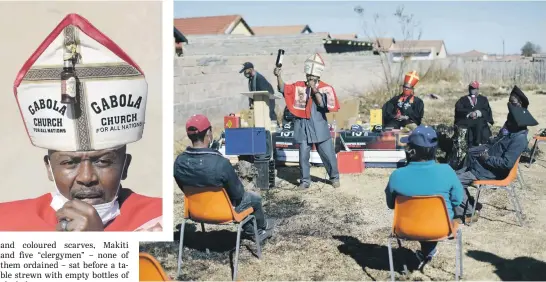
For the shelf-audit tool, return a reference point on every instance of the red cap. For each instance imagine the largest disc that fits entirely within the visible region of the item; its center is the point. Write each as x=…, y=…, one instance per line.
x=475, y=84
x=200, y=122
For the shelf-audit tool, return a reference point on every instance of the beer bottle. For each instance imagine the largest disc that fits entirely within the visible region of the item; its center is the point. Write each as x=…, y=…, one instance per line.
x=68, y=83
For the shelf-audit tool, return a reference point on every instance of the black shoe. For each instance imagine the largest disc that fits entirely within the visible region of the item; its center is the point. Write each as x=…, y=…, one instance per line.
x=263, y=234
x=304, y=186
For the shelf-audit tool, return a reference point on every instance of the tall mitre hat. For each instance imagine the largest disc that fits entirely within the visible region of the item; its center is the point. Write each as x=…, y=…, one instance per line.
x=314, y=65
x=411, y=79
x=110, y=91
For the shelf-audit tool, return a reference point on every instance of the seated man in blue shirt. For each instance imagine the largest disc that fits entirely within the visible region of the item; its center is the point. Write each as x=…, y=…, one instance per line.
x=424, y=177
x=200, y=166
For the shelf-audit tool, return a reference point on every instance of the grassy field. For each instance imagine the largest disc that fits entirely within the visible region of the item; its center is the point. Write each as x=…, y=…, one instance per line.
x=341, y=234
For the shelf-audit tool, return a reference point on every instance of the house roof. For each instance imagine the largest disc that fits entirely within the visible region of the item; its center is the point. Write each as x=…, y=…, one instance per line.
x=281, y=30
x=209, y=25
x=414, y=45
x=347, y=36
x=178, y=36
x=323, y=34
x=472, y=53
x=383, y=44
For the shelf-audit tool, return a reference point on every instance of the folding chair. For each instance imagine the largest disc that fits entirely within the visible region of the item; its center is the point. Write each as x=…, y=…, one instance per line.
x=212, y=205
x=538, y=139
x=424, y=218
x=520, y=178
x=149, y=269
x=505, y=184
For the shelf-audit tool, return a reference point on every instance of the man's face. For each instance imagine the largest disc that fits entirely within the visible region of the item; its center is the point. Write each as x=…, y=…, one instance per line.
x=92, y=177
x=248, y=73
x=406, y=90
x=473, y=91
x=514, y=100
x=312, y=79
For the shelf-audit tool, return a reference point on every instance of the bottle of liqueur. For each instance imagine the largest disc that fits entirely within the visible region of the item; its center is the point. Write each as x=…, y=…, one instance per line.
x=68, y=83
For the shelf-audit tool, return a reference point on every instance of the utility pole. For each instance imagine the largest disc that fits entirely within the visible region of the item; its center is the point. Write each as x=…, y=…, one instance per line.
x=503, y=48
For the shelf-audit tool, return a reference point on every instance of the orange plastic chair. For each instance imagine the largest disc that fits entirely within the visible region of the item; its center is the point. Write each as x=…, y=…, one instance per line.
x=538, y=139
x=505, y=184
x=424, y=218
x=149, y=269
x=212, y=205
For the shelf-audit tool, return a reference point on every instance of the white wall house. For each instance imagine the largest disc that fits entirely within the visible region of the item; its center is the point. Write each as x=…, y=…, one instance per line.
x=418, y=50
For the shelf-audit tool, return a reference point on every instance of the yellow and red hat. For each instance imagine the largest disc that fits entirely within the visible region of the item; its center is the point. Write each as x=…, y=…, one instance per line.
x=411, y=79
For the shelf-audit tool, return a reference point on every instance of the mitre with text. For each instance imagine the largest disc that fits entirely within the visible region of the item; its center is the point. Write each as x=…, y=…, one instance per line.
x=79, y=91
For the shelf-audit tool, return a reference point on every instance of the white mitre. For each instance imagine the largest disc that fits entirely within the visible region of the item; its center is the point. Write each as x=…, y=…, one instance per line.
x=111, y=91
x=314, y=65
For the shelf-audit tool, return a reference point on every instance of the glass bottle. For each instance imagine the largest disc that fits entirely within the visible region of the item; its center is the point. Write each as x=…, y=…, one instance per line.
x=68, y=83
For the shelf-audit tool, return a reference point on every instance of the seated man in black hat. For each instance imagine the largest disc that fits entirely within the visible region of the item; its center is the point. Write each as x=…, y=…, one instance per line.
x=496, y=159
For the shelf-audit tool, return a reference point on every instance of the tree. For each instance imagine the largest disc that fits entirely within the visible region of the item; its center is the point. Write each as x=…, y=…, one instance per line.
x=529, y=49
x=410, y=30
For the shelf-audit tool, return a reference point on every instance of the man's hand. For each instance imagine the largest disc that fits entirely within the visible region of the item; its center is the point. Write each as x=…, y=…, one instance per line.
x=277, y=71
x=81, y=216
x=313, y=86
x=402, y=117
x=473, y=115
x=484, y=156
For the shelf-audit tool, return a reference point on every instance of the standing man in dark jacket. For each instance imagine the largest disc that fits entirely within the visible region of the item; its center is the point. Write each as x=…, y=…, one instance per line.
x=474, y=113
x=257, y=82
x=496, y=159
x=200, y=166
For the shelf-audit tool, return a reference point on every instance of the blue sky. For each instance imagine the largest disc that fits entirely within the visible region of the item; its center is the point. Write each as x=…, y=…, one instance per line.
x=462, y=25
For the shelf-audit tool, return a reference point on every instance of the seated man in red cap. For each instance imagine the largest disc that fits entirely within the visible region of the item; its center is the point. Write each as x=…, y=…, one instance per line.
x=85, y=127
x=474, y=113
x=201, y=166
x=405, y=108
x=495, y=159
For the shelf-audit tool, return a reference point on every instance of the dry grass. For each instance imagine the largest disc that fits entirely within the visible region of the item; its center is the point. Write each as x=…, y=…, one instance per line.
x=327, y=234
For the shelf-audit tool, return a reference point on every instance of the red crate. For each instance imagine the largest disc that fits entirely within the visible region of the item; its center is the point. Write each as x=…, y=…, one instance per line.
x=350, y=162
x=232, y=121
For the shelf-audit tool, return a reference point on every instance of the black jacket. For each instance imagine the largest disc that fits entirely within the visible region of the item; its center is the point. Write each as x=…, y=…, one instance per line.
x=479, y=132
x=204, y=167
x=415, y=111
x=503, y=152
x=260, y=83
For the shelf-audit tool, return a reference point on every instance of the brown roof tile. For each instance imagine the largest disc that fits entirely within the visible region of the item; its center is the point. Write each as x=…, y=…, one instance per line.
x=208, y=25
x=280, y=30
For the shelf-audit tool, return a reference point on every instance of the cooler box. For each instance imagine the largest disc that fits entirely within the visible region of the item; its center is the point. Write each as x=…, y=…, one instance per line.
x=350, y=162
x=245, y=141
x=384, y=158
x=232, y=121
x=288, y=151
x=368, y=140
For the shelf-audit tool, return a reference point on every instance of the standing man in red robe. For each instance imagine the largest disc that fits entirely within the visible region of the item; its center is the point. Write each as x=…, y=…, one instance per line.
x=309, y=101
x=83, y=100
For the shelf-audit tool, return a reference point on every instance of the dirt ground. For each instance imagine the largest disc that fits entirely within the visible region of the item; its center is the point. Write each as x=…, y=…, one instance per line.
x=328, y=234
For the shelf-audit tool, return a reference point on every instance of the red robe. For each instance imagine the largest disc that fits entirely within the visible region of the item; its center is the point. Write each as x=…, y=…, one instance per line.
x=300, y=105
x=37, y=214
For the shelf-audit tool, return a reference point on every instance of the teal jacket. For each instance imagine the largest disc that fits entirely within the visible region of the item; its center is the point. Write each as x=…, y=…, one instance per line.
x=425, y=179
